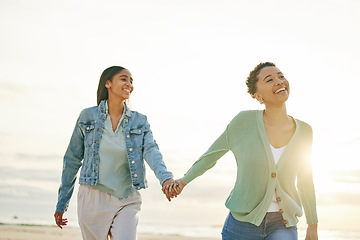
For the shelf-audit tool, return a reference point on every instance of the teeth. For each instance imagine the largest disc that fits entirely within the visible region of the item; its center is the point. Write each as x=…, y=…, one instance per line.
x=279, y=90
x=127, y=90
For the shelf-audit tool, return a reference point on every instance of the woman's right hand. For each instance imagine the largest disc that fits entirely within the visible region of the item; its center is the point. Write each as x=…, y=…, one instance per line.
x=179, y=185
x=59, y=219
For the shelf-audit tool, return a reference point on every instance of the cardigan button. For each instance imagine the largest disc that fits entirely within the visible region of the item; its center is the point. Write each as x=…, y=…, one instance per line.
x=278, y=199
x=285, y=222
x=281, y=211
x=273, y=175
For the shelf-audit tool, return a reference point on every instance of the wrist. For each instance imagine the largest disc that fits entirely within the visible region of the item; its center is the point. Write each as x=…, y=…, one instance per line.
x=182, y=182
x=167, y=180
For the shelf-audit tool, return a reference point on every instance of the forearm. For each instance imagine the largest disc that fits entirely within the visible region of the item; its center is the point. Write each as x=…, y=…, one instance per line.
x=154, y=158
x=202, y=165
x=208, y=159
x=311, y=232
x=66, y=189
x=71, y=166
x=155, y=161
x=306, y=190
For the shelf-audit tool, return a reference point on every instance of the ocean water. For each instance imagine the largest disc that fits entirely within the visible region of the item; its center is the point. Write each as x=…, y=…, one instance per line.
x=193, y=231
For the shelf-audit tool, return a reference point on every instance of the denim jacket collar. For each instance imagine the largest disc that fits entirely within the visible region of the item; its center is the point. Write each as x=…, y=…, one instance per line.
x=103, y=108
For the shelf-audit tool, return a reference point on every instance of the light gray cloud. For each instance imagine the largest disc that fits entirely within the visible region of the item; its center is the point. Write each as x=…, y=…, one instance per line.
x=339, y=198
x=346, y=176
x=30, y=174
x=7, y=87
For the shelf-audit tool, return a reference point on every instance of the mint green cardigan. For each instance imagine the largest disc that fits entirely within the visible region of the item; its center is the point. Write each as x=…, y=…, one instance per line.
x=258, y=176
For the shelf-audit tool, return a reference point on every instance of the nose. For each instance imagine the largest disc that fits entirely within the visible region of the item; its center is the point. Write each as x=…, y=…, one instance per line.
x=279, y=82
x=128, y=83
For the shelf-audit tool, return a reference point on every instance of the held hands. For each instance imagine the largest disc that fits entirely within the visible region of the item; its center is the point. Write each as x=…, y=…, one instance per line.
x=172, y=188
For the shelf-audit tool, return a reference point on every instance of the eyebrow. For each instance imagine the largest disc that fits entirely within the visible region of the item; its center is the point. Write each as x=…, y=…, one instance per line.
x=270, y=75
x=266, y=77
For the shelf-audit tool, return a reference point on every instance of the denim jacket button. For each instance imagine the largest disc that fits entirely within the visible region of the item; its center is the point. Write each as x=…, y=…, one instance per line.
x=130, y=149
x=135, y=175
x=128, y=136
x=138, y=188
x=87, y=128
x=133, y=162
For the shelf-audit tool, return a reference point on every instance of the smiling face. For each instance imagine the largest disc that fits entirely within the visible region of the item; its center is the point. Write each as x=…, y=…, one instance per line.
x=272, y=87
x=120, y=86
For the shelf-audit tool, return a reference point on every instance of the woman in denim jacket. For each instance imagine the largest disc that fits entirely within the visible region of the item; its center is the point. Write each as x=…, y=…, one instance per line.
x=110, y=143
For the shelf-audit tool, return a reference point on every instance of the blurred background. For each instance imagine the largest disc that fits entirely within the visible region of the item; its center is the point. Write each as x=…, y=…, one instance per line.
x=189, y=61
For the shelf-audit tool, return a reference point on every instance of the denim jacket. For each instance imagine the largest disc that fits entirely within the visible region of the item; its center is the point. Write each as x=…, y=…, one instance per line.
x=83, y=150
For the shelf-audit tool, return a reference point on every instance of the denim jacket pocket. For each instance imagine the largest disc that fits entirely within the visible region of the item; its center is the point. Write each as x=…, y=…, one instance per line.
x=137, y=134
x=88, y=131
x=137, y=131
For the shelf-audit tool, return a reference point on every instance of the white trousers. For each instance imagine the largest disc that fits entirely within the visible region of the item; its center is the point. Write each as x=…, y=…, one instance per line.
x=102, y=215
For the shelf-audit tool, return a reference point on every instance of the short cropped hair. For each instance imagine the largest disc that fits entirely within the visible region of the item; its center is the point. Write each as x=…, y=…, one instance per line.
x=252, y=79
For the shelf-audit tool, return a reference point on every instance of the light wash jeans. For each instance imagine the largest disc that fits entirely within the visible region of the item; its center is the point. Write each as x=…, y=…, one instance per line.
x=101, y=215
x=271, y=228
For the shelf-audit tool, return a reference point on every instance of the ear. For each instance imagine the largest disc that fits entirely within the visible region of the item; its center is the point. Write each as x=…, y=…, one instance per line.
x=108, y=84
x=257, y=96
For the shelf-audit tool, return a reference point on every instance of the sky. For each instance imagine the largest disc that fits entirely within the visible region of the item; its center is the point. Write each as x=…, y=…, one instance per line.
x=189, y=61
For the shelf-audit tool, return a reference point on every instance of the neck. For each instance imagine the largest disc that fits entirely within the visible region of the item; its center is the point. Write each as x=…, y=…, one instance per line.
x=276, y=114
x=115, y=107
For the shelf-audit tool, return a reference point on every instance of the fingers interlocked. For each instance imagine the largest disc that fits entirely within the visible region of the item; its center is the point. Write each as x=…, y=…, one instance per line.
x=172, y=188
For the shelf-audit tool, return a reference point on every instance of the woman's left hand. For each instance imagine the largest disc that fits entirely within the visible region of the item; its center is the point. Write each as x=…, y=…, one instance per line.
x=311, y=232
x=60, y=221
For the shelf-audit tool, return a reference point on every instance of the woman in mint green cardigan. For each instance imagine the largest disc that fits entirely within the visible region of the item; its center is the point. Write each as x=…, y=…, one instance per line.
x=272, y=152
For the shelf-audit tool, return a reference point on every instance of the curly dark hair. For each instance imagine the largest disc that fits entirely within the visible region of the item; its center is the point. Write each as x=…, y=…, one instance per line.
x=253, y=77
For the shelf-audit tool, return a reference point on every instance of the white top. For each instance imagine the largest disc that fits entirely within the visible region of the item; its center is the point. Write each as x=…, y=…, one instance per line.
x=277, y=152
x=114, y=170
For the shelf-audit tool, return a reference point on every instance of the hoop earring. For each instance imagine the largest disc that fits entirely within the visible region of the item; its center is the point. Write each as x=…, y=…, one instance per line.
x=261, y=101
